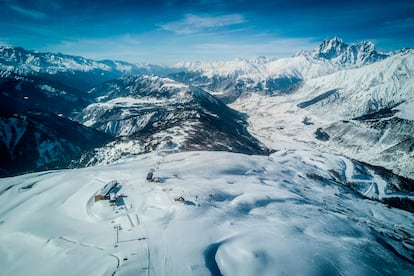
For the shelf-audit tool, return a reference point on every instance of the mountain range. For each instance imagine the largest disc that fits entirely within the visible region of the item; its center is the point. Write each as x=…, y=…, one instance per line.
x=208, y=168
x=348, y=99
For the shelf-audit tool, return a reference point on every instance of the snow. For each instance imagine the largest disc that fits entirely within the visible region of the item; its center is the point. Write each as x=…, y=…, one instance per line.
x=130, y=101
x=123, y=67
x=330, y=57
x=220, y=213
x=406, y=110
x=25, y=62
x=278, y=121
x=48, y=88
x=241, y=215
x=172, y=138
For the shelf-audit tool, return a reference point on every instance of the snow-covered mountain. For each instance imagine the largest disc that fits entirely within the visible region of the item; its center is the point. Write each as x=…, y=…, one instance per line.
x=73, y=71
x=195, y=193
x=365, y=113
x=30, y=92
x=150, y=112
x=212, y=213
x=142, y=113
x=349, y=55
x=35, y=132
x=40, y=93
x=35, y=140
x=343, y=98
x=230, y=79
x=26, y=62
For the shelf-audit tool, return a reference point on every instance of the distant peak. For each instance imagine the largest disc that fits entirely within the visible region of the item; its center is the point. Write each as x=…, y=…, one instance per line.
x=330, y=48
x=333, y=41
x=9, y=47
x=335, y=49
x=302, y=53
x=367, y=45
x=258, y=60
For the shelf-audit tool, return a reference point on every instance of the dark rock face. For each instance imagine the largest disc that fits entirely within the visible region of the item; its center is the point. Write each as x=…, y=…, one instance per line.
x=33, y=93
x=32, y=141
x=319, y=98
x=320, y=134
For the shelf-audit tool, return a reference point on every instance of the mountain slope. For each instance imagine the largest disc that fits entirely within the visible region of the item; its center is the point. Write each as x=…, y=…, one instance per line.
x=32, y=140
x=349, y=55
x=270, y=76
x=29, y=92
x=213, y=213
x=149, y=112
x=73, y=71
x=365, y=113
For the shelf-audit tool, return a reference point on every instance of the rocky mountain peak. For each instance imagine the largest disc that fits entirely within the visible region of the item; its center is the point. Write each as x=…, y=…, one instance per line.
x=355, y=54
x=330, y=48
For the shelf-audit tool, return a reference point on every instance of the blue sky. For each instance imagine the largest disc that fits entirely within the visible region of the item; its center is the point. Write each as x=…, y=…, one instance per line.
x=168, y=31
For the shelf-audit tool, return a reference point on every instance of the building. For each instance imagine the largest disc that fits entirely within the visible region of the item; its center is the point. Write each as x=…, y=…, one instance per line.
x=107, y=190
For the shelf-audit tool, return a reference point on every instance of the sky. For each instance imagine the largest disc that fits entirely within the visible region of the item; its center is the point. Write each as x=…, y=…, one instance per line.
x=168, y=31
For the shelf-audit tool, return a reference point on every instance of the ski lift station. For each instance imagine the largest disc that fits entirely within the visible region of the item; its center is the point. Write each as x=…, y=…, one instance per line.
x=108, y=192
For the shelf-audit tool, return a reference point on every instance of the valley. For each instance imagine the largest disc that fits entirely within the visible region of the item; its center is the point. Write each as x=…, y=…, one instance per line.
x=290, y=166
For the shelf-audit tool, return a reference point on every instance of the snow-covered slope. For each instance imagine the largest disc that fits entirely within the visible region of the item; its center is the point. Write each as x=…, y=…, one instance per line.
x=348, y=55
x=73, y=71
x=25, y=62
x=148, y=112
x=212, y=213
x=276, y=76
x=343, y=98
x=364, y=113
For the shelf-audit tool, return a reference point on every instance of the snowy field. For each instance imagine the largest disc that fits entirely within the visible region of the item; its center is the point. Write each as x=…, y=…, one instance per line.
x=211, y=213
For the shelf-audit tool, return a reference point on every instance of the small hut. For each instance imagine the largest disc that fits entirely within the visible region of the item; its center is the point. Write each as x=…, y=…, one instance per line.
x=106, y=191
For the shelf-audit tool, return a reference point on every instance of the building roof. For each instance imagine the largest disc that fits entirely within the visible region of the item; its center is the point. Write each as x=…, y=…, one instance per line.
x=108, y=187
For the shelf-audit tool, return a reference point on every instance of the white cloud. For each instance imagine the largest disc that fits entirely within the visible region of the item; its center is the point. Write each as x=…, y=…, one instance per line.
x=30, y=13
x=195, y=23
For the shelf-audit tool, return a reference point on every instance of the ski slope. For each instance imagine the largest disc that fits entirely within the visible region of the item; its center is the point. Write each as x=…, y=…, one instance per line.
x=211, y=213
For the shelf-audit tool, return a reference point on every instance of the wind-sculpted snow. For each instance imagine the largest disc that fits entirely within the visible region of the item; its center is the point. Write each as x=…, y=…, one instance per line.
x=211, y=213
